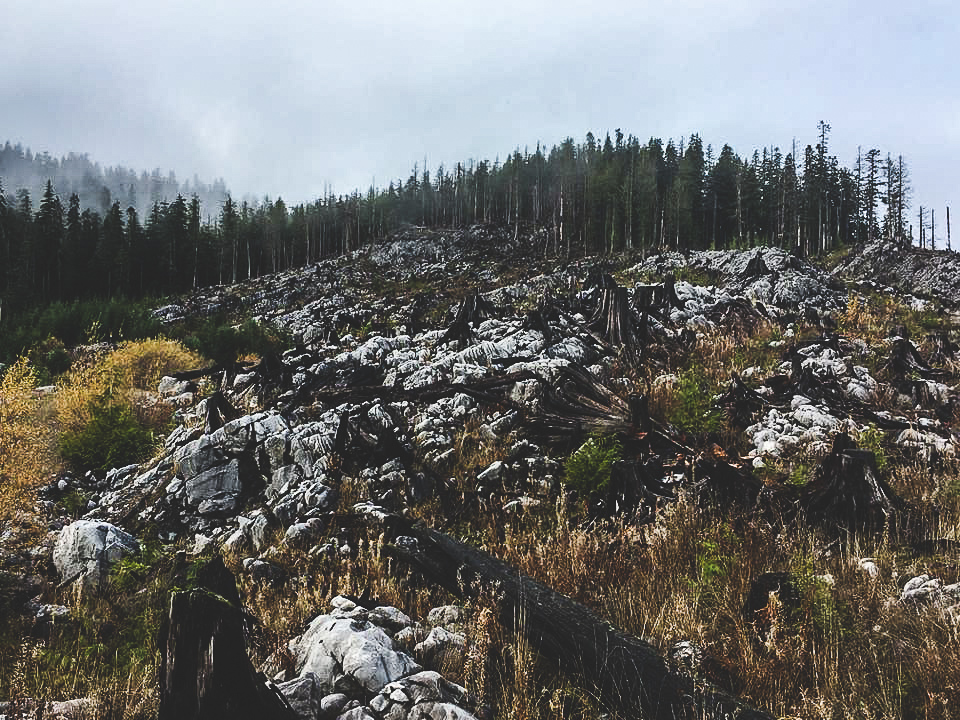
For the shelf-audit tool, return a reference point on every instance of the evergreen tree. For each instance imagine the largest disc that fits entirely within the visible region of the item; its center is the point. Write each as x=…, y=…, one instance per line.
x=49, y=246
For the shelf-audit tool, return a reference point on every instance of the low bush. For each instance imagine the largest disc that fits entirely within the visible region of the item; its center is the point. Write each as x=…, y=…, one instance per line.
x=100, y=404
x=588, y=468
x=112, y=438
x=692, y=410
x=222, y=342
x=76, y=323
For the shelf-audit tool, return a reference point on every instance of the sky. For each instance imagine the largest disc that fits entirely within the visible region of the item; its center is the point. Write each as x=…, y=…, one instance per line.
x=286, y=99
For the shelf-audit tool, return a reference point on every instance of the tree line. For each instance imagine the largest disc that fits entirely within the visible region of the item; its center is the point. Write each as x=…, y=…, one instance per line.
x=96, y=186
x=594, y=196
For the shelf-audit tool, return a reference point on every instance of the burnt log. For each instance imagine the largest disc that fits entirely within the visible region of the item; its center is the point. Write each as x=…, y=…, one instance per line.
x=205, y=672
x=627, y=675
x=230, y=368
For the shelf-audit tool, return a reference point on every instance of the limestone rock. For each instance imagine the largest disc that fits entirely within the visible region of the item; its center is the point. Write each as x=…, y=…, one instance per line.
x=87, y=549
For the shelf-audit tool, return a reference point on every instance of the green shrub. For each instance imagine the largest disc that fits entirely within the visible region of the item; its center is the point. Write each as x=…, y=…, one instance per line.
x=217, y=339
x=49, y=359
x=716, y=558
x=692, y=408
x=588, y=468
x=112, y=438
x=76, y=323
x=872, y=438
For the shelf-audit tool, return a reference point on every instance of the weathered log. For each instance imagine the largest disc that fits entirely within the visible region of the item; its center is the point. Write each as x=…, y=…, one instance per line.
x=628, y=676
x=230, y=368
x=205, y=673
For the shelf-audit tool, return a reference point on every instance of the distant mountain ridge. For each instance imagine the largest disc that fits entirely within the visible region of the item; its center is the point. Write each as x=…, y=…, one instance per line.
x=96, y=186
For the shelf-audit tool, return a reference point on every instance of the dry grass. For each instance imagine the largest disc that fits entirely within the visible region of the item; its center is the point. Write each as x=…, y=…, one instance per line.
x=845, y=651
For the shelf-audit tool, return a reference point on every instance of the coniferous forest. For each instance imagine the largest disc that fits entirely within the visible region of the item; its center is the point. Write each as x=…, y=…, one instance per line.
x=86, y=239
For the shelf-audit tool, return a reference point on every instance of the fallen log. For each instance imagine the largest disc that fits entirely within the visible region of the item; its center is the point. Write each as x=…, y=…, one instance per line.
x=628, y=676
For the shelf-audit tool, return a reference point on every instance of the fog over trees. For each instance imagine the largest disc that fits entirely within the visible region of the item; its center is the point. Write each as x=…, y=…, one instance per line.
x=85, y=232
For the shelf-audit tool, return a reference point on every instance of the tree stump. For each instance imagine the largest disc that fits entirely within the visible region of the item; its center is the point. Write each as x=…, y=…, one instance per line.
x=205, y=673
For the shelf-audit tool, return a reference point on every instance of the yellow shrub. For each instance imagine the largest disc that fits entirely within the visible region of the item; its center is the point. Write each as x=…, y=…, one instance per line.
x=120, y=377
x=140, y=365
x=101, y=391
x=26, y=438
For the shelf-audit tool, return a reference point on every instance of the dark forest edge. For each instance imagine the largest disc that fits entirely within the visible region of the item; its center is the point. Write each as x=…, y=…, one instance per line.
x=593, y=197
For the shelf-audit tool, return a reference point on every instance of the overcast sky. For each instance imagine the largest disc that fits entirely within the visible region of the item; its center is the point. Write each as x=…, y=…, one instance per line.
x=283, y=98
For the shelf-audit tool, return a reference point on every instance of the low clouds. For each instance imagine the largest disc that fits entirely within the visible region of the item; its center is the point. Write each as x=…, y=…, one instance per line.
x=285, y=98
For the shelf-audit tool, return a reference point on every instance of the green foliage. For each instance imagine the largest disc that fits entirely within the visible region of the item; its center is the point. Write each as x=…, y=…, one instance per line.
x=818, y=605
x=588, y=468
x=112, y=438
x=67, y=324
x=872, y=438
x=716, y=557
x=74, y=503
x=107, y=647
x=223, y=343
x=692, y=409
x=49, y=359
x=800, y=474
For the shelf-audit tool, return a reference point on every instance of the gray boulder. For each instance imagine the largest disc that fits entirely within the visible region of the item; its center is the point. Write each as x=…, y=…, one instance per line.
x=441, y=648
x=86, y=549
x=215, y=490
x=303, y=694
x=423, y=696
x=347, y=655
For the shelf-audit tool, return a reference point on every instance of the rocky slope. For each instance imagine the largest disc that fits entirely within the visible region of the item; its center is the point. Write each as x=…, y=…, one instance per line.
x=401, y=351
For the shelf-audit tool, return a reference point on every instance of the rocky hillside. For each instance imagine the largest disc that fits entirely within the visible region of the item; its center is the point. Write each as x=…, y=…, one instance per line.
x=743, y=464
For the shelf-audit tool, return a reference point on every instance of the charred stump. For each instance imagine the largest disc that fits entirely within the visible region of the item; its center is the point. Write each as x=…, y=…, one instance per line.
x=219, y=412
x=756, y=268
x=848, y=493
x=670, y=292
x=740, y=402
x=614, y=320
x=471, y=311
x=205, y=672
x=944, y=349
x=628, y=675
x=905, y=361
